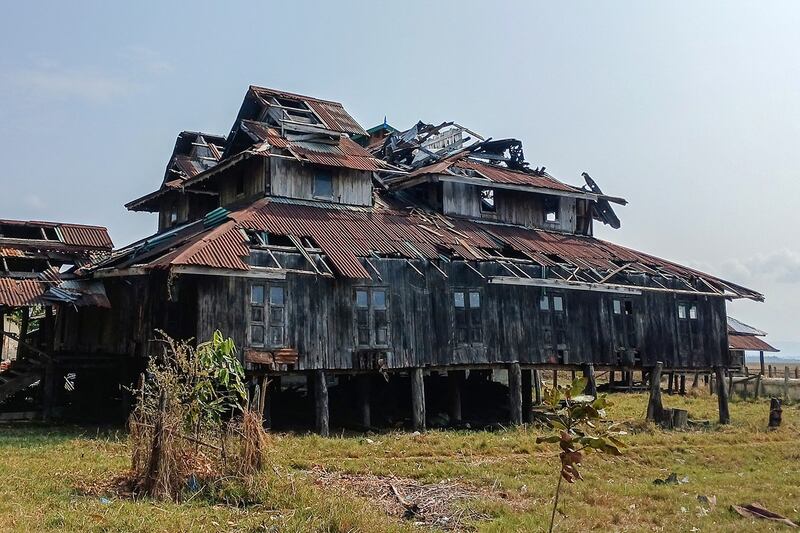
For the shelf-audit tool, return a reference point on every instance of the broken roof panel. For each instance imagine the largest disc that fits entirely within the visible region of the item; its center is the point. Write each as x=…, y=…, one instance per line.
x=346, y=234
x=332, y=114
x=740, y=328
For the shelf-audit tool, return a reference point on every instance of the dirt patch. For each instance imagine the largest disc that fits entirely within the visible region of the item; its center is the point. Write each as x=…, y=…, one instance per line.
x=443, y=505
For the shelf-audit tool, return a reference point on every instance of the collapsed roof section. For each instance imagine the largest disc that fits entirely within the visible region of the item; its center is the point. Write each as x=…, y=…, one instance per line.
x=450, y=152
x=226, y=241
x=747, y=338
x=194, y=153
x=37, y=261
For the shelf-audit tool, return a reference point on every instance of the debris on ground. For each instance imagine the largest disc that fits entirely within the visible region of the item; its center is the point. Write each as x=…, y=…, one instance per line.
x=443, y=505
x=756, y=510
x=672, y=479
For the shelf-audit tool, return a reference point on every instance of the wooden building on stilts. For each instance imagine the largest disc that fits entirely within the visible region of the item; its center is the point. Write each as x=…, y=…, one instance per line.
x=384, y=277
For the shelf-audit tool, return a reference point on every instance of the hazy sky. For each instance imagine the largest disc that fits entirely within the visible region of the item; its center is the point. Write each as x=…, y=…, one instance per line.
x=689, y=110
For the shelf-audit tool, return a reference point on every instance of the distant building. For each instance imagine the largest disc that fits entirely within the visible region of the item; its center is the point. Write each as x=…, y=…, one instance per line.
x=743, y=338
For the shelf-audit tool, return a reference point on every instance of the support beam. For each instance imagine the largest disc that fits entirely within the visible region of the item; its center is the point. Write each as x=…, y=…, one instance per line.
x=363, y=393
x=671, y=383
x=654, y=406
x=537, y=386
x=611, y=377
x=555, y=379
x=591, y=383
x=455, y=381
x=527, y=396
x=272, y=388
x=682, y=387
x=722, y=396
x=418, y=399
x=23, y=333
x=515, y=393
x=629, y=380
x=761, y=360
x=322, y=415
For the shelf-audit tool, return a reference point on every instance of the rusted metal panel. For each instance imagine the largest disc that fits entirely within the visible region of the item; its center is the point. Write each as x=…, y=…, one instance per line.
x=86, y=236
x=749, y=343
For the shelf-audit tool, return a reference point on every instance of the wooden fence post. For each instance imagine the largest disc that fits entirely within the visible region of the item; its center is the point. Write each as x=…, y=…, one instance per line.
x=591, y=384
x=786, y=384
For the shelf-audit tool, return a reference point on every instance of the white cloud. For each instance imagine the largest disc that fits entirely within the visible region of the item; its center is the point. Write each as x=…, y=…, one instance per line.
x=147, y=59
x=780, y=265
x=63, y=84
x=34, y=201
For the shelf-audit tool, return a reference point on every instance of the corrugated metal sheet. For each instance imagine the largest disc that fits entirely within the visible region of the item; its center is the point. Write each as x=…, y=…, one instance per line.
x=86, y=236
x=736, y=326
x=22, y=292
x=345, y=154
x=499, y=174
x=749, y=343
x=331, y=113
x=347, y=234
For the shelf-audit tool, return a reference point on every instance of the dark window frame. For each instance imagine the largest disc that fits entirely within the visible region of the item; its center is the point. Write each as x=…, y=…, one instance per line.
x=319, y=174
x=468, y=316
x=371, y=321
x=487, y=199
x=271, y=315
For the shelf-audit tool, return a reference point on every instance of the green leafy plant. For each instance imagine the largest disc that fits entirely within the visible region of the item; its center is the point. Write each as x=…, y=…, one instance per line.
x=577, y=418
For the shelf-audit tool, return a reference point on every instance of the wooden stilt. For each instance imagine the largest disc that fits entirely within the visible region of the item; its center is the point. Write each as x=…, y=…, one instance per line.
x=23, y=334
x=363, y=393
x=769, y=371
x=515, y=393
x=591, y=384
x=761, y=360
x=671, y=383
x=722, y=395
x=418, y=399
x=555, y=379
x=696, y=380
x=629, y=380
x=322, y=420
x=572, y=375
x=537, y=386
x=682, y=388
x=611, y=377
x=272, y=388
x=654, y=406
x=455, y=381
x=527, y=396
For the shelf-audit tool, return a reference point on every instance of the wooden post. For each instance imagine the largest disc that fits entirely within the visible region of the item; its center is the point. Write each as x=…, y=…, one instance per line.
x=23, y=333
x=670, y=386
x=555, y=379
x=761, y=359
x=769, y=372
x=682, y=388
x=797, y=372
x=2, y=332
x=322, y=421
x=572, y=375
x=270, y=389
x=591, y=384
x=537, y=386
x=654, y=407
x=527, y=396
x=48, y=330
x=696, y=380
x=722, y=396
x=515, y=393
x=730, y=383
x=629, y=380
x=362, y=392
x=455, y=381
x=418, y=399
x=611, y=378
x=786, y=383
x=758, y=386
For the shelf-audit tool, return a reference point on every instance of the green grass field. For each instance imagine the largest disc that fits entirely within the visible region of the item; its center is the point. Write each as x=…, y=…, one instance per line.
x=44, y=472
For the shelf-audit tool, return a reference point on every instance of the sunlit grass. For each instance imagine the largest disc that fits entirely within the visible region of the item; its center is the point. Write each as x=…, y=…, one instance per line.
x=41, y=468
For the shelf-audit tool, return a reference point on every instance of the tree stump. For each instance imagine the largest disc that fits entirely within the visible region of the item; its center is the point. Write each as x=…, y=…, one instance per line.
x=654, y=407
x=775, y=413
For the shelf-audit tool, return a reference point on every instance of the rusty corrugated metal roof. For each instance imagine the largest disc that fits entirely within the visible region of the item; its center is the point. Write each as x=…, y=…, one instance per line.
x=345, y=234
x=22, y=292
x=86, y=236
x=498, y=174
x=749, y=343
x=332, y=114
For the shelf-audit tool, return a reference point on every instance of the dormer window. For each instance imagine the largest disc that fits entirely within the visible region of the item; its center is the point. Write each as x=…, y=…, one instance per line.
x=487, y=201
x=323, y=184
x=551, y=206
